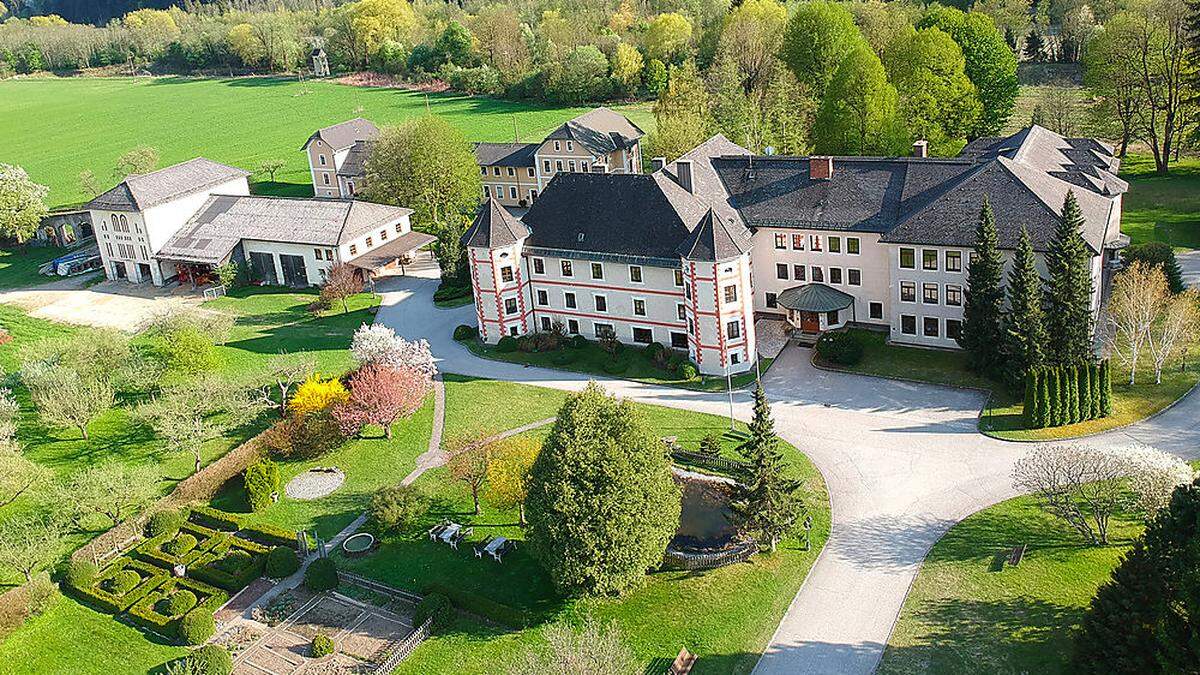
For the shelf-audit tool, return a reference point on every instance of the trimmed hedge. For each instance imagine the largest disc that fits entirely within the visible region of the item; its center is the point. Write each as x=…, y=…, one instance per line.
x=1057, y=396
x=197, y=626
x=269, y=535
x=216, y=519
x=151, y=550
x=481, y=605
x=433, y=605
x=81, y=573
x=145, y=612
x=507, y=344
x=178, y=602
x=465, y=332
x=321, y=575
x=113, y=603
x=163, y=522
x=210, y=660
x=322, y=645
x=840, y=347
x=179, y=545
x=231, y=570
x=281, y=562
x=261, y=481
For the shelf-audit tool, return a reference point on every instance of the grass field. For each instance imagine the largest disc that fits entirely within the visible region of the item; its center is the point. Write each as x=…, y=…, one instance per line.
x=1162, y=208
x=968, y=614
x=56, y=128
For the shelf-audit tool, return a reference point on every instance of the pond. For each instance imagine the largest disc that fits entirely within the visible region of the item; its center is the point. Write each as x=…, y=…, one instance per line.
x=705, y=519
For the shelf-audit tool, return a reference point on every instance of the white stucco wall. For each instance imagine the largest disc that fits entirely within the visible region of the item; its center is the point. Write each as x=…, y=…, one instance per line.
x=313, y=267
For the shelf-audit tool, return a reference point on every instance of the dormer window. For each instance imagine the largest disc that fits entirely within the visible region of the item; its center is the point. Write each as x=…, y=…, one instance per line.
x=570, y=146
x=557, y=146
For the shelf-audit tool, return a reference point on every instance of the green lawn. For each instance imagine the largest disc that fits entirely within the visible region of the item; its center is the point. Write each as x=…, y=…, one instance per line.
x=742, y=604
x=593, y=360
x=1162, y=208
x=19, y=266
x=937, y=366
x=242, y=122
x=966, y=614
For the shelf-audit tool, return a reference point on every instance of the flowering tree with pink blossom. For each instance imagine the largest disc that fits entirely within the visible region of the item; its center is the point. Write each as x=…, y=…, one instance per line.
x=380, y=394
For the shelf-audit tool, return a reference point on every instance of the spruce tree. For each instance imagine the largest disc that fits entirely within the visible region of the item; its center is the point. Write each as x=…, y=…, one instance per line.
x=1117, y=633
x=1025, y=329
x=1069, y=321
x=982, y=334
x=1105, y=389
x=768, y=504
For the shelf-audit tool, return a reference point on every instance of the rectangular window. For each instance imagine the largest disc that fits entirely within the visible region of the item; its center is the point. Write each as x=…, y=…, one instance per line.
x=953, y=295
x=539, y=266
x=569, y=300
x=678, y=340
x=567, y=271
x=681, y=310
x=797, y=242
x=733, y=329
x=908, y=291
x=583, y=166
x=506, y=274
x=799, y=272
x=818, y=274
x=835, y=275
x=854, y=277
x=929, y=259
x=571, y=165
x=557, y=146
x=835, y=244
x=530, y=171
x=679, y=277
x=929, y=326
x=499, y=192
x=572, y=326
x=781, y=271
x=329, y=251
x=772, y=302
x=325, y=178
x=831, y=318
x=597, y=271
x=353, y=249
x=643, y=336
x=370, y=243
x=635, y=274
x=603, y=330
x=953, y=264
x=317, y=252
x=908, y=259
x=512, y=191
x=483, y=171
x=731, y=293
x=875, y=310
x=570, y=146
x=601, y=303
x=510, y=306
x=908, y=324
x=495, y=171
x=639, y=307
x=852, y=245
x=511, y=172
x=953, y=328
x=558, y=165
x=321, y=158
x=929, y=294
x=383, y=235
x=546, y=165
x=543, y=298
x=814, y=242
x=780, y=240
x=687, y=291
x=545, y=324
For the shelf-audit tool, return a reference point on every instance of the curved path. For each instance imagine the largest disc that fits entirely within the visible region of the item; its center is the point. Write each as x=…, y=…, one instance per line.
x=903, y=462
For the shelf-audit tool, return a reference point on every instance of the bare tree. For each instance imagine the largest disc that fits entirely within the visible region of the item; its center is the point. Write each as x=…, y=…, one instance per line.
x=190, y=414
x=286, y=372
x=143, y=159
x=1139, y=294
x=29, y=543
x=18, y=475
x=112, y=490
x=271, y=167
x=1171, y=333
x=589, y=647
x=341, y=282
x=469, y=460
x=89, y=183
x=66, y=397
x=1082, y=485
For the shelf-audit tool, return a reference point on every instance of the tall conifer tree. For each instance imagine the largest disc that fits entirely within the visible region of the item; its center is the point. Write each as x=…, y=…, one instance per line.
x=1024, y=326
x=982, y=334
x=1069, y=321
x=768, y=504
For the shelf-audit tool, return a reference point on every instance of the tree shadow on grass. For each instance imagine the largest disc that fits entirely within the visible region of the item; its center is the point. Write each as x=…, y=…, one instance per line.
x=311, y=334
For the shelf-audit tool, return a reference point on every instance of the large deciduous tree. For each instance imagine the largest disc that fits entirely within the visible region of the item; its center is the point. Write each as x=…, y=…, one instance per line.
x=341, y=283
x=602, y=504
x=1111, y=72
x=65, y=397
x=983, y=327
x=189, y=414
x=1069, y=321
x=681, y=114
x=143, y=159
x=29, y=543
x=22, y=203
x=469, y=461
x=819, y=37
x=1146, y=619
x=378, y=344
x=859, y=114
x=938, y=101
x=667, y=36
x=508, y=472
x=1082, y=485
x=112, y=490
x=990, y=63
x=1170, y=335
x=1159, y=53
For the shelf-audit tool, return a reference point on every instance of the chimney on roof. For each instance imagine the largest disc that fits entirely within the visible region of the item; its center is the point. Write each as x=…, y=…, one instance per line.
x=657, y=163
x=820, y=168
x=921, y=148
x=683, y=167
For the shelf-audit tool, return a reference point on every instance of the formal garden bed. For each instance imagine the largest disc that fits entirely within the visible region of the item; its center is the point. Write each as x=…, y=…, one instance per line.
x=651, y=364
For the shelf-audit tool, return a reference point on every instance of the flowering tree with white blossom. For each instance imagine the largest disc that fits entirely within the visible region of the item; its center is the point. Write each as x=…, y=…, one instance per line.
x=379, y=344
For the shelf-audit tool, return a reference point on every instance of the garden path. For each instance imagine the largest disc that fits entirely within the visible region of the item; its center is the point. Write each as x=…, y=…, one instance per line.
x=903, y=463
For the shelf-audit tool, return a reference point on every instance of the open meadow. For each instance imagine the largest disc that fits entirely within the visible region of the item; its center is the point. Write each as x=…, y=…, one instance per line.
x=55, y=128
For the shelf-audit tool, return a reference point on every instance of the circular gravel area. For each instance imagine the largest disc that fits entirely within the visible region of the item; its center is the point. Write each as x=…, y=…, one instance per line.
x=315, y=483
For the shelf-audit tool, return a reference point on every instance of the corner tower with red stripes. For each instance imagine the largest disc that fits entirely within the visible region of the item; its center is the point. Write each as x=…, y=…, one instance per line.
x=494, y=244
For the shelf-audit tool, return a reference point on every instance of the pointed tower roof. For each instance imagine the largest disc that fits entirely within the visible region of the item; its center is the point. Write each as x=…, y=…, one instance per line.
x=493, y=227
x=715, y=240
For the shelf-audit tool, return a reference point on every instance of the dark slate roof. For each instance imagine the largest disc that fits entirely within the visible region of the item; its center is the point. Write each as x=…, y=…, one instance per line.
x=224, y=220
x=715, y=240
x=706, y=184
x=139, y=192
x=355, y=164
x=342, y=136
x=494, y=226
x=814, y=297
x=600, y=130
x=625, y=214
x=933, y=200
x=505, y=154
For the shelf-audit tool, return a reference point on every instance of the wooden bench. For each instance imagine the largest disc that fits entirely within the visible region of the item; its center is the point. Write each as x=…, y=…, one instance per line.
x=682, y=665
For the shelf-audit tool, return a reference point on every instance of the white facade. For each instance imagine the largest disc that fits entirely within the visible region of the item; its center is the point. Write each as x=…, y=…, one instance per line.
x=129, y=240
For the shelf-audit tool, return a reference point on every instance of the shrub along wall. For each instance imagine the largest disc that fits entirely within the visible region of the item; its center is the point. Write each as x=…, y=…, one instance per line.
x=1061, y=395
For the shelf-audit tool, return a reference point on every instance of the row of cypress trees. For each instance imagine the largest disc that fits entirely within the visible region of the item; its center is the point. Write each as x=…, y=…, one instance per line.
x=1059, y=395
x=1011, y=330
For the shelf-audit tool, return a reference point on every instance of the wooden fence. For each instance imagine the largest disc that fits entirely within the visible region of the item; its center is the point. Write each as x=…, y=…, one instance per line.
x=400, y=650
x=731, y=466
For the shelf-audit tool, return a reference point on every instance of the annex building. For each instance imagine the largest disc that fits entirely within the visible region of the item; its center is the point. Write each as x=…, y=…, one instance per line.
x=693, y=253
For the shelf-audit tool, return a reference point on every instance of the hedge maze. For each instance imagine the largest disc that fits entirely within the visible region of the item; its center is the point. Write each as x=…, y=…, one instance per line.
x=221, y=556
